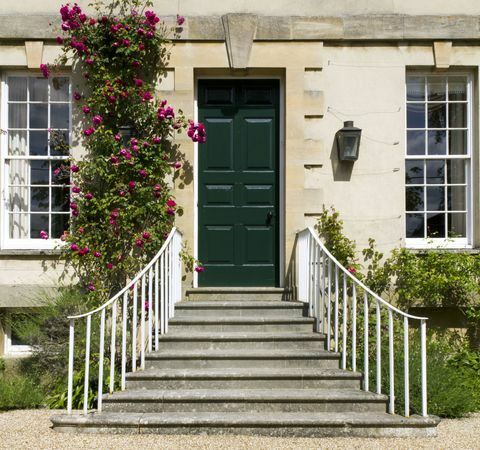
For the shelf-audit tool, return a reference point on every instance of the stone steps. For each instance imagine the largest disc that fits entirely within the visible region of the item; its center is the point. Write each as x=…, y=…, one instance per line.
x=244, y=378
x=241, y=323
x=348, y=424
x=241, y=358
x=241, y=340
x=244, y=400
x=240, y=361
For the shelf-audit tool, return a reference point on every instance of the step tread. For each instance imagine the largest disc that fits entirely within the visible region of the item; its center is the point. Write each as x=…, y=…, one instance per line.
x=240, y=320
x=240, y=289
x=261, y=372
x=238, y=419
x=248, y=395
x=241, y=336
x=238, y=304
x=241, y=354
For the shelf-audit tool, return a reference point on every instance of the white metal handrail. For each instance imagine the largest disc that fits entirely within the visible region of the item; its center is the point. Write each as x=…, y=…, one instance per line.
x=321, y=279
x=160, y=287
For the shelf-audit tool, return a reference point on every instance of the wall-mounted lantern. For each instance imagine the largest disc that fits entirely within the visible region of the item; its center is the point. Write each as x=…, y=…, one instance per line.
x=348, y=142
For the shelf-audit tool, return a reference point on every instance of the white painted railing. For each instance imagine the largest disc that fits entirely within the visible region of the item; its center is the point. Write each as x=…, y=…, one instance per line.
x=331, y=290
x=146, y=304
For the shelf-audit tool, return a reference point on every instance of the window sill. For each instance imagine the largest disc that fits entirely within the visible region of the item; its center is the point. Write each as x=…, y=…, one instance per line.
x=31, y=252
x=420, y=251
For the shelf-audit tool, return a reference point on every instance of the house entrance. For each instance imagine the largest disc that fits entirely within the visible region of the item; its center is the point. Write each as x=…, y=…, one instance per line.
x=238, y=185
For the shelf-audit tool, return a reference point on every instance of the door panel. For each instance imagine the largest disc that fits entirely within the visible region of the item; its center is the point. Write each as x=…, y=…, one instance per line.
x=238, y=183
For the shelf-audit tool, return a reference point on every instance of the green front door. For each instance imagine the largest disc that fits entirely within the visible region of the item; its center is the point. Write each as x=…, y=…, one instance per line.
x=238, y=199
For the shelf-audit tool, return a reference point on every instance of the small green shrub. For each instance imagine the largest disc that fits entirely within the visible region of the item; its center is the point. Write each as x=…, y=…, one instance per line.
x=2, y=365
x=20, y=392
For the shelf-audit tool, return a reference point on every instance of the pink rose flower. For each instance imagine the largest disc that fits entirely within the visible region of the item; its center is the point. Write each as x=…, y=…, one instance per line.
x=89, y=131
x=75, y=213
x=171, y=203
x=143, y=173
x=97, y=120
x=59, y=40
x=73, y=205
x=86, y=109
x=114, y=160
x=138, y=82
x=146, y=235
x=118, y=138
x=89, y=61
x=88, y=195
x=43, y=234
x=45, y=70
x=91, y=287
x=199, y=269
x=180, y=20
x=74, y=168
x=147, y=96
x=141, y=46
x=74, y=247
x=139, y=243
x=109, y=266
x=157, y=140
x=170, y=212
x=76, y=189
x=131, y=185
x=77, y=96
x=97, y=254
x=136, y=63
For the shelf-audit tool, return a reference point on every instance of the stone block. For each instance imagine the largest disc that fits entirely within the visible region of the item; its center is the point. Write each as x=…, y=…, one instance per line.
x=239, y=32
x=317, y=28
x=313, y=103
x=388, y=26
x=271, y=28
x=34, y=52
x=442, y=51
x=204, y=28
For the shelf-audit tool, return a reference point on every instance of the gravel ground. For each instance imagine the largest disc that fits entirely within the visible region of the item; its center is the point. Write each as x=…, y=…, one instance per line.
x=30, y=429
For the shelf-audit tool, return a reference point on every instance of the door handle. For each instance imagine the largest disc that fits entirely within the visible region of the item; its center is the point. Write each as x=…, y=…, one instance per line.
x=269, y=216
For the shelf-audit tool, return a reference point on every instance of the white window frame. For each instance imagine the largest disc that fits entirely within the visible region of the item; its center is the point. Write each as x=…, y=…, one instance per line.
x=447, y=242
x=5, y=241
x=15, y=350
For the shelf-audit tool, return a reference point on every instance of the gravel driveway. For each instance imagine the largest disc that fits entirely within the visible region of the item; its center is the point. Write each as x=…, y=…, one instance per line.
x=30, y=429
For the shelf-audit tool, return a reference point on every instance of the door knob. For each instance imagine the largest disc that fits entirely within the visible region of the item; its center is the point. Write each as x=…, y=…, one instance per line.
x=269, y=216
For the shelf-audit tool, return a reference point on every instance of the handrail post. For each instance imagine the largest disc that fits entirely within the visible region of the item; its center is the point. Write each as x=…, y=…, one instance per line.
x=423, y=351
x=406, y=367
x=70, y=366
x=87, y=365
x=391, y=367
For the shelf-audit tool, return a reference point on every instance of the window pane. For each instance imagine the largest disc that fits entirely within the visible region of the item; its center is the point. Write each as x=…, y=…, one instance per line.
x=457, y=142
x=60, y=172
x=18, y=172
x=416, y=115
x=39, y=172
x=436, y=225
x=437, y=115
x=60, y=224
x=436, y=198
x=18, y=226
x=38, y=116
x=457, y=225
x=59, y=117
x=457, y=88
x=436, y=89
x=18, y=199
x=456, y=198
x=436, y=171
x=437, y=142
x=38, y=222
x=414, y=199
x=38, y=89
x=60, y=199
x=38, y=143
x=17, y=115
x=59, y=89
x=414, y=171
x=415, y=225
x=456, y=171
x=59, y=143
x=17, y=89
x=415, y=88
x=415, y=142
x=457, y=117
x=17, y=143
x=39, y=199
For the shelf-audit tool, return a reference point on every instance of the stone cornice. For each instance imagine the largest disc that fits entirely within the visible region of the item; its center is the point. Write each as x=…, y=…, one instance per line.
x=292, y=28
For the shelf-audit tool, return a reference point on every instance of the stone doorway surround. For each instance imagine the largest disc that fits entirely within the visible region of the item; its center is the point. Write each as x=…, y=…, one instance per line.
x=299, y=64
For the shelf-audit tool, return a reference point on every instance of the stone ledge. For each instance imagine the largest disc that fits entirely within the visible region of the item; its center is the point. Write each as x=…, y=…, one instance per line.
x=288, y=28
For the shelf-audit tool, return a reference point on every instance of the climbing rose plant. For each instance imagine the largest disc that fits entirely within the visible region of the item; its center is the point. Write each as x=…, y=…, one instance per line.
x=121, y=205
